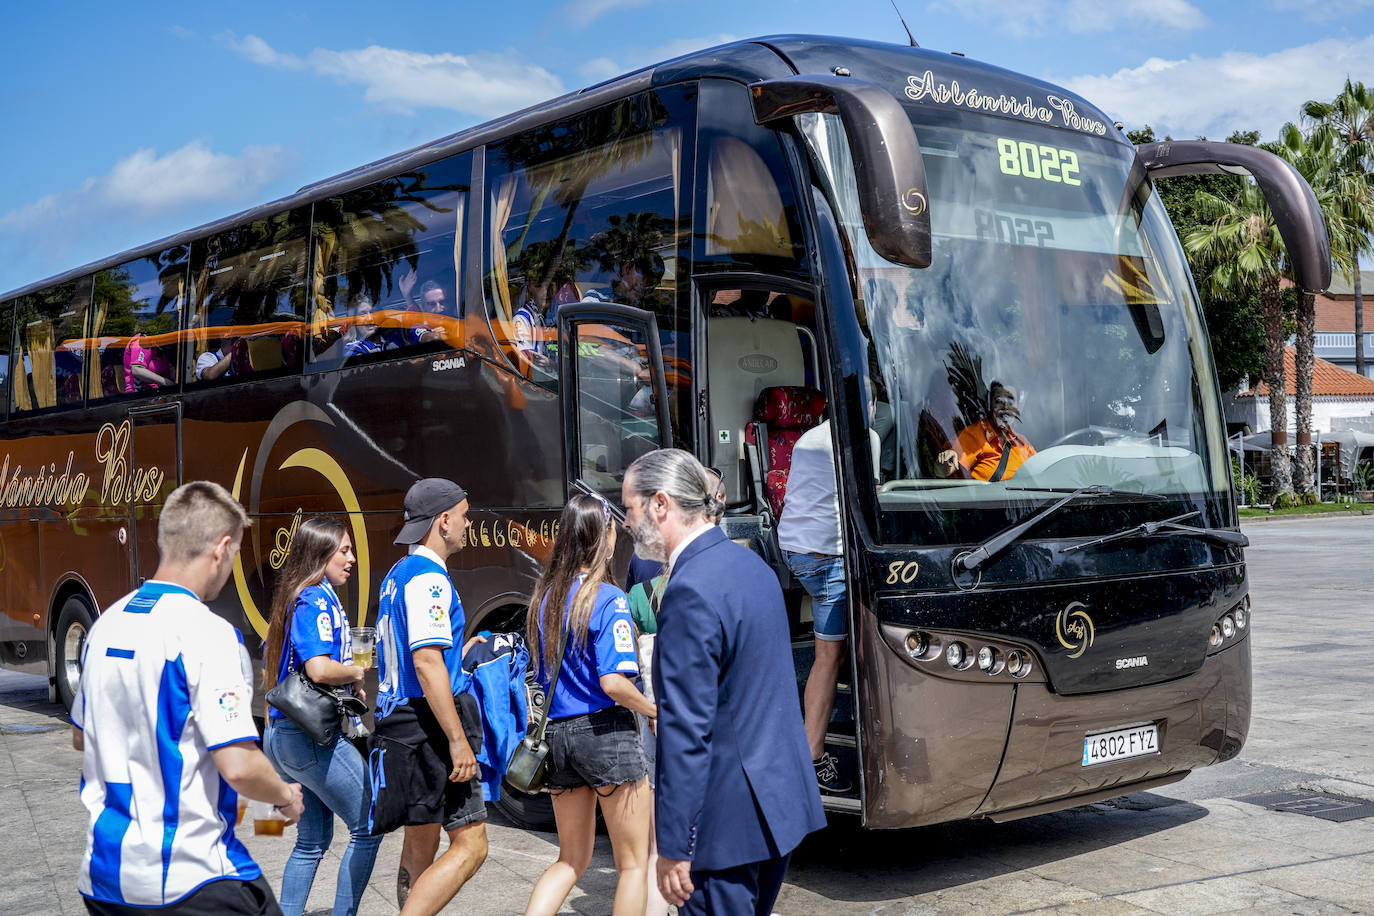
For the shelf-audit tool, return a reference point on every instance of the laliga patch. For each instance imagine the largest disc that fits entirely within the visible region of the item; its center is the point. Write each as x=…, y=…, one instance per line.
x=230, y=703
x=326, y=626
x=624, y=636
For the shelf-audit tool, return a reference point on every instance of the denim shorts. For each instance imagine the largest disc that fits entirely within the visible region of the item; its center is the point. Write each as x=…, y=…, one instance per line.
x=598, y=749
x=823, y=579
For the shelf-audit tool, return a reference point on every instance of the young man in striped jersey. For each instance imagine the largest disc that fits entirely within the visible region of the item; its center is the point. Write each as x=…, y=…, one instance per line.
x=163, y=718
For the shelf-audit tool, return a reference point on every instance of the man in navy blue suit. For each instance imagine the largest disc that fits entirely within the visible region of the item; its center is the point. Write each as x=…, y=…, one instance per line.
x=735, y=791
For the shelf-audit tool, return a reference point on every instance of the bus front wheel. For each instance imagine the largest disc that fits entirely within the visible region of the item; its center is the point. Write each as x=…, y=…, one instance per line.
x=73, y=623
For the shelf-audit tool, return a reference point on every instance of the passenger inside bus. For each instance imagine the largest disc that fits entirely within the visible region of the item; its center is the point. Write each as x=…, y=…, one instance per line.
x=145, y=367
x=433, y=301
x=362, y=336
x=218, y=361
x=989, y=449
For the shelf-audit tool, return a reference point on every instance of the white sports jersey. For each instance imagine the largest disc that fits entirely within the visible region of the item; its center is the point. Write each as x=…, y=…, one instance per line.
x=164, y=682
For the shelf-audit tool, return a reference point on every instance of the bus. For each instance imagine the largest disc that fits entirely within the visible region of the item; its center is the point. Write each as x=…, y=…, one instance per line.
x=714, y=253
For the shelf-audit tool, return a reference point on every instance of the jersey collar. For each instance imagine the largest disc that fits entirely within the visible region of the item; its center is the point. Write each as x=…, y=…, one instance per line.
x=420, y=550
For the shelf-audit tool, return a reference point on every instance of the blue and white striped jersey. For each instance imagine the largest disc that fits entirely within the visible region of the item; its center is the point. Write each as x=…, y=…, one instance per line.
x=418, y=607
x=164, y=682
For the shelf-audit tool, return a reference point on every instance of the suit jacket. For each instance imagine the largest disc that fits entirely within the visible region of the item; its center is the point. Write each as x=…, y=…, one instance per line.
x=734, y=778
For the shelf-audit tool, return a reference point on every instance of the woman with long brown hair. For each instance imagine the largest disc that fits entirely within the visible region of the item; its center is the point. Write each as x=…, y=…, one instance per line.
x=595, y=755
x=310, y=628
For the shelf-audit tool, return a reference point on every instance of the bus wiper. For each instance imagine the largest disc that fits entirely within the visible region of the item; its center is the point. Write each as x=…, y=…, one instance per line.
x=1219, y=536
x=997, y=543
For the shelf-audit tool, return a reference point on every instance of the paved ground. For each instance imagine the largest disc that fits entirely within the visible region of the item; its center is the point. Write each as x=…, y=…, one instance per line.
x=1189, y=848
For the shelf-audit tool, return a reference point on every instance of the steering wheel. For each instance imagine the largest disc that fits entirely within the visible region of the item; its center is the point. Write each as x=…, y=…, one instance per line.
x=1085, y=435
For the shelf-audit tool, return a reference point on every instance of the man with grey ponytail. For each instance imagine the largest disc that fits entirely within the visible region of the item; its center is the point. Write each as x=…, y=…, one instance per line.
x=735, y=792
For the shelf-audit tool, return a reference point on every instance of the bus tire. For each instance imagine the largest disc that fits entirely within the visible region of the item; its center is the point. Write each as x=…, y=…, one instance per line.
x=532, y=812
x=73, y=624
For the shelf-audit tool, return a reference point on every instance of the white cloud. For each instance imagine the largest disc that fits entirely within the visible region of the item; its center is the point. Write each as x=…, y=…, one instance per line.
x=604, y=68
x=583, y=13
x=1213, y=96
x=142, y=197
x=1324, y=10
x=259, y=51
x=1034, y=17
x=484, y=84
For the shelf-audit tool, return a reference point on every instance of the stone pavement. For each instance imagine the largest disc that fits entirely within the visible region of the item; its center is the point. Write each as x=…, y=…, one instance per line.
x=1186, y=848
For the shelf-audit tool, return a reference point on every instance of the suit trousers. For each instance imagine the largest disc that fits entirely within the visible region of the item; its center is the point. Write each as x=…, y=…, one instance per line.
x=737, y=891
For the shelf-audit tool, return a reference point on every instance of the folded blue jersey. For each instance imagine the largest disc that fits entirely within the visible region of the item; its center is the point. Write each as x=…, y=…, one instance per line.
x=498, y=668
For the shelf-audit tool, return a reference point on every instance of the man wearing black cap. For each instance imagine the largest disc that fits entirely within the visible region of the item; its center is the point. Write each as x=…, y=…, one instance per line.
x=424, y=772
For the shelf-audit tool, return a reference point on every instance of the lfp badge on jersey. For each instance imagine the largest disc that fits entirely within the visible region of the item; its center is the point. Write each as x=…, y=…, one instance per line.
x=624, y=636
x=229, y=704
x=325, y=623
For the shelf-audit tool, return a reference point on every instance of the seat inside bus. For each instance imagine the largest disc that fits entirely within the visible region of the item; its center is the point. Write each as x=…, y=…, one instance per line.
x=747, y=355
x=781, y=415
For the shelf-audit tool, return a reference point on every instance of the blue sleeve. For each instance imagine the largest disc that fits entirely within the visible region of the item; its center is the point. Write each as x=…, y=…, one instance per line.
x=312, y=626
x=614, y=633
x=686, y=683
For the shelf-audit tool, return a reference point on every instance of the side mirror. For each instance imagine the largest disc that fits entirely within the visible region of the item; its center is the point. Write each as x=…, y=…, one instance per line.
x=1295, y=208
x=887, y=158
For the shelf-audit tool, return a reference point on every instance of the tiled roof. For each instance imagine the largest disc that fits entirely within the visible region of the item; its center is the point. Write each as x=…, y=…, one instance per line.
x=1339, y=315
x=1328, y=380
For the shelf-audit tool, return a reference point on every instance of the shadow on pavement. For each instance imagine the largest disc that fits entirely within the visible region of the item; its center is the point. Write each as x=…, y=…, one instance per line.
x=29, y=693
x=899, y=864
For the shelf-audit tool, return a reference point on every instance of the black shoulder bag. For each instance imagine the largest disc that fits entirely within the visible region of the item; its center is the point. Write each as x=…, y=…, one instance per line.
x=318, y=710
x=529, y=765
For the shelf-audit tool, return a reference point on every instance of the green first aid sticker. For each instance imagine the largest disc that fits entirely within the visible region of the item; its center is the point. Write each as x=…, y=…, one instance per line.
x=1034, y=160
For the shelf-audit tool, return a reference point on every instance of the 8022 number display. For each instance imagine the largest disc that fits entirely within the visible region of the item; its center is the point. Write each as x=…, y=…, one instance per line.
x=1033, y=160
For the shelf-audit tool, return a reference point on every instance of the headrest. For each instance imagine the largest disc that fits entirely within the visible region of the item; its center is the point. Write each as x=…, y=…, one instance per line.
x=790, y=407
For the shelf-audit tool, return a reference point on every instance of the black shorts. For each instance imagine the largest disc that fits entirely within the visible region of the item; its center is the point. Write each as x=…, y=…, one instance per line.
x=214, y=898
x=409, y=764
x=599, y=749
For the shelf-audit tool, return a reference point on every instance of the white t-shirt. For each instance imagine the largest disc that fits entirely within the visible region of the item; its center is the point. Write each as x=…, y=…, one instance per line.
x=208, y=360
x=810, y=520
x=164, y=682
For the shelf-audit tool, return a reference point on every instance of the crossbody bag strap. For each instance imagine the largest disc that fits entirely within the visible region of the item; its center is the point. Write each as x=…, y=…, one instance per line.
x=548, y=696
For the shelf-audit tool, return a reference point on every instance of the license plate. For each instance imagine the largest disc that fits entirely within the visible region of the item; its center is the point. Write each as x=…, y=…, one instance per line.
x=1120, y=744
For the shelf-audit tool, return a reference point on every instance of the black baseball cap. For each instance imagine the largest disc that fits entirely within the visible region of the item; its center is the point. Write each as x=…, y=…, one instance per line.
x=425, y=499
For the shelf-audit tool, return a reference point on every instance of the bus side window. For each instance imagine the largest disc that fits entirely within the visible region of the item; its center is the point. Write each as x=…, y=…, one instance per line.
x=6, y=337
x=388, y=256
x=135, y=317
x=49, y=338
x=249, y=308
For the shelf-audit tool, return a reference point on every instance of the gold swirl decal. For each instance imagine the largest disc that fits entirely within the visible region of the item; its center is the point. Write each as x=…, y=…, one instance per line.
x=914, y=201
x=250, y=610
x=324, y=464
x=1075, y=624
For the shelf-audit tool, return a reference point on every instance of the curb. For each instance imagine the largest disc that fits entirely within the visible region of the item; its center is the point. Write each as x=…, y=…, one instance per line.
x=1304, y=516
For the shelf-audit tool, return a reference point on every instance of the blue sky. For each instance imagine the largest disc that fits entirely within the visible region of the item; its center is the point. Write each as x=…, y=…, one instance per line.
x=126, y=125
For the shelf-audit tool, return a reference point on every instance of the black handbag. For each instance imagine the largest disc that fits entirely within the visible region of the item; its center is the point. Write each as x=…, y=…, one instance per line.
x=318, y=709
x=529, y=765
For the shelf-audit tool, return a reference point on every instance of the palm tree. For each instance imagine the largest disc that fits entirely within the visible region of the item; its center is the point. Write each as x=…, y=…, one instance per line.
x=1314, y=156
x=1349, y=122
x=1239, y=250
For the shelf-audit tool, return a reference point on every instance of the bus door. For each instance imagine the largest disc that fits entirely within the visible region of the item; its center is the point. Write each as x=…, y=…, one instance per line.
x=615, y=396
x=154, y=471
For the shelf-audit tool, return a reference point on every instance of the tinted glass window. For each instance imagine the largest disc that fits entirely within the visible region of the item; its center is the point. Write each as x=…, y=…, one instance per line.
x=135, y=319
x=6, y=317
x=749, y=213
x=590, y=208
x=49, y=332
x=389, y=255
x=249, y=306
x=616, y=418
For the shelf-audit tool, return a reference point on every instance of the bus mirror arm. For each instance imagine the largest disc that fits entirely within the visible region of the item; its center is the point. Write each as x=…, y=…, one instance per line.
x=887, y=157
x=1296, y=211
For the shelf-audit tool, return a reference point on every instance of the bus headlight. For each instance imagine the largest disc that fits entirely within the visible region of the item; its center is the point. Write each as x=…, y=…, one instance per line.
x=1228, y=626
x=987, y=659
x=1214, y=640
x=1018, y=664
x=1241, y=618
x=956, y=654
x=917, y=645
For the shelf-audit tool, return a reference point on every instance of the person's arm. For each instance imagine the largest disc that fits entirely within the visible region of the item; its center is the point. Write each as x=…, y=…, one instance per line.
x=78, y=739
x=252, y=775
x=623, y=690
x=434, y=680
x=148, y=376
x=210, y=373
x=325, y=670
x=687, y=687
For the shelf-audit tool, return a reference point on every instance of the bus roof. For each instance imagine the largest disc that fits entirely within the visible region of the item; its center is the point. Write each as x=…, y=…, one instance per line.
x=745, y=61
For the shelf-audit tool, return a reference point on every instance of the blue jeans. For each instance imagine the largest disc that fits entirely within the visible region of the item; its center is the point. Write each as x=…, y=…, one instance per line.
x=333, y=781
x=823, y=579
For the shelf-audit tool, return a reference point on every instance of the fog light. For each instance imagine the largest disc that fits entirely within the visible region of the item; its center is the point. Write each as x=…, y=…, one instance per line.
x=987, y=657
x=955, y=654
x=1241, y=618
x=1214, y=640
x=1014, y=663
x=917, y=645
x=1228, y=626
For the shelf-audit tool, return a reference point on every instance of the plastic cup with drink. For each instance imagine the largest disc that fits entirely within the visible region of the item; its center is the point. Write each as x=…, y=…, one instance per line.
x=267, y=820
x=362, y=639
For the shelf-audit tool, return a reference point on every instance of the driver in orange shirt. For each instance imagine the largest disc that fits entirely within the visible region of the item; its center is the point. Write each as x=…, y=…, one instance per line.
x=989, y=449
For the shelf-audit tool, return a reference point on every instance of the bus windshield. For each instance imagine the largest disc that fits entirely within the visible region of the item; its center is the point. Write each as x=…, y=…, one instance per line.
x=1054, y=342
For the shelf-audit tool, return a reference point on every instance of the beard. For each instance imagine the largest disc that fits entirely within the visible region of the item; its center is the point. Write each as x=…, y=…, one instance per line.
x=649, y=542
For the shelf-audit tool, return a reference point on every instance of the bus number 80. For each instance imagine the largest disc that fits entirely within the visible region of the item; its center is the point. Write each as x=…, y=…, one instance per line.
x=1029, y=160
